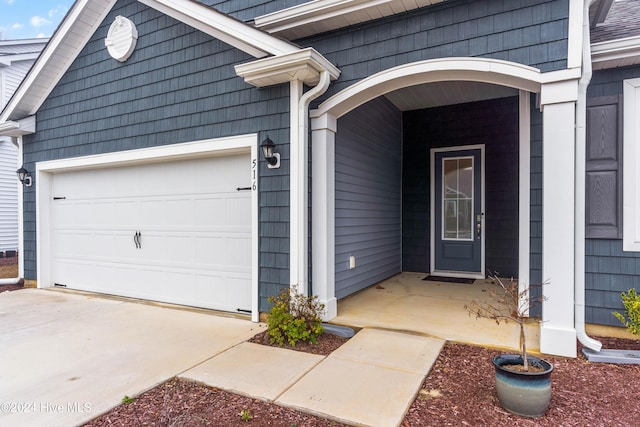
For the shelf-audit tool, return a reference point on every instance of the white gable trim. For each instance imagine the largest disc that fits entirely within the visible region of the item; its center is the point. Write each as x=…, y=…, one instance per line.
x=83, y=20
x=223, y=27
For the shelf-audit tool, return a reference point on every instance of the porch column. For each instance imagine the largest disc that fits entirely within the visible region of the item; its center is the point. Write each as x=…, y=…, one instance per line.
x=557, y=331
x=323, y=136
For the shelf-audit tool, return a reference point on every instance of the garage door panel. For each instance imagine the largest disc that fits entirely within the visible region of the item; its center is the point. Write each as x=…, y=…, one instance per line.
x=195, y=243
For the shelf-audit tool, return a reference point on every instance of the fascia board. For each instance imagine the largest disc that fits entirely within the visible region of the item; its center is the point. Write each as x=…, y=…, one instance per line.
x=615, y=50
x=312, y=11
x=304, y=65
x=223, y=27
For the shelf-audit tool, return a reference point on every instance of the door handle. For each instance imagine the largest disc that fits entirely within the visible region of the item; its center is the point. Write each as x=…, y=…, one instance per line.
x=136, y=240
x=479, y=226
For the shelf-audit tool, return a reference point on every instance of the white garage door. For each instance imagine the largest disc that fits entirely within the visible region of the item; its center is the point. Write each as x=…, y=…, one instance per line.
x=176, y=232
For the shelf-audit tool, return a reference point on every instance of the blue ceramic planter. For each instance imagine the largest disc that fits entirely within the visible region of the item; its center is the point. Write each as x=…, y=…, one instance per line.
x=523, y=393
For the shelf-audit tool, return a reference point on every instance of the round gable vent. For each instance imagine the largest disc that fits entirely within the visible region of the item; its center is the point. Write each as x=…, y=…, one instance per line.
x=121, y=38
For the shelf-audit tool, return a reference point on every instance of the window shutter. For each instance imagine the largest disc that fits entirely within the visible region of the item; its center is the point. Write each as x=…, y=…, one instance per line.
x=604, y=168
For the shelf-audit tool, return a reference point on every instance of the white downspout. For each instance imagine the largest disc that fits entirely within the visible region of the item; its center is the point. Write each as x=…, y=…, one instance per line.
x=580, y=171
x=15, y=280
x=300, y=181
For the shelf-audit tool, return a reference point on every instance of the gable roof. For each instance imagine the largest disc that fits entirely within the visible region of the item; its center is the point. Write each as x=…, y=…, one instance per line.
x=85, y=16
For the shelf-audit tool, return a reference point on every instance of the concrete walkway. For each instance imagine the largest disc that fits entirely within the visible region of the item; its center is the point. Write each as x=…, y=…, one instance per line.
x=371, y=380
x=67, y=358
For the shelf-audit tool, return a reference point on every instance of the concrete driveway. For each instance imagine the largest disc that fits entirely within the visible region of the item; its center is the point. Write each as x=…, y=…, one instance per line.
x=66, y=358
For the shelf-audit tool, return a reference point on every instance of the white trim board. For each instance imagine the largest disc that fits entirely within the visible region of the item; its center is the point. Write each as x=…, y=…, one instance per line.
x=631, y=170
x=190, y=150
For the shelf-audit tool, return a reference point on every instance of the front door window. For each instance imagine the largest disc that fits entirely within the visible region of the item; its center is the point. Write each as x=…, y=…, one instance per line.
x=458, y=198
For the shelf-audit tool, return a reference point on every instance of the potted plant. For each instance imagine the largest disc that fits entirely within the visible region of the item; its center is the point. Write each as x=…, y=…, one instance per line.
x=523, y=382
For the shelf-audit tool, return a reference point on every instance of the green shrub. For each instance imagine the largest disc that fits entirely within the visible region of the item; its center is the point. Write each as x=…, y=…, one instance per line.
x=631, y=302
x=294, y=317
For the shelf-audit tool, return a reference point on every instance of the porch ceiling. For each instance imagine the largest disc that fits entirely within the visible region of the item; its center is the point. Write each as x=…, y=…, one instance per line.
x=446, y=93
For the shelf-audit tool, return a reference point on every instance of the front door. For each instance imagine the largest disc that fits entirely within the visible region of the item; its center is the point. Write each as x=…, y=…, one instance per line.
x=457, y=238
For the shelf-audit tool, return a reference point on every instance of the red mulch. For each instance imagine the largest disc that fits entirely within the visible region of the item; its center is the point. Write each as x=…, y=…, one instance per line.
x=459, y=391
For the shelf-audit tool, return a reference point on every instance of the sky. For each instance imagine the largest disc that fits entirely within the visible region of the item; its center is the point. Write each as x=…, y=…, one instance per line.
x=26, y=19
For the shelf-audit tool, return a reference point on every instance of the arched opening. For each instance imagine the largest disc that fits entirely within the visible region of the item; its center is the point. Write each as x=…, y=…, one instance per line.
x=380, y=134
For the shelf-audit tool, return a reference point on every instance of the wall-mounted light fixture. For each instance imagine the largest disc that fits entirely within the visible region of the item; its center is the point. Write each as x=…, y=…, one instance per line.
x=24, y=176
x=273, y=159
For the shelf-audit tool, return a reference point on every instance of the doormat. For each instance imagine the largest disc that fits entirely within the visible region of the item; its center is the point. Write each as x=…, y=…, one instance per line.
x=462, y=280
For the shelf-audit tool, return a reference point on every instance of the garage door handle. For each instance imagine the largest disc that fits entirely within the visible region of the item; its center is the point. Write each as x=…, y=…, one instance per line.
x=136, y=240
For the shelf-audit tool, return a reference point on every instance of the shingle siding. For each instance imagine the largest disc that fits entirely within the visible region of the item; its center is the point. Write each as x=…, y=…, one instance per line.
x=178, y=86
x=531, y=33
x=247, y=10
x=608, y=269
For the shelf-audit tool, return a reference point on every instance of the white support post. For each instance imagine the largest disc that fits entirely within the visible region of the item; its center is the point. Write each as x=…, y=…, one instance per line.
x=557, y=332
x=298, y=188
x=323, y=212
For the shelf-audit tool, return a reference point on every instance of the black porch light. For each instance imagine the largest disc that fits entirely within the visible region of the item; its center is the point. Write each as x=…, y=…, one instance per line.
x=273, y=159
x=24, y=177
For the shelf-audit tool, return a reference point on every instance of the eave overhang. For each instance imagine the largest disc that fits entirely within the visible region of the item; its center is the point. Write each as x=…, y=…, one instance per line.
x=616, y=53
x=304, y=65
x=319, y=16
x=22, y=127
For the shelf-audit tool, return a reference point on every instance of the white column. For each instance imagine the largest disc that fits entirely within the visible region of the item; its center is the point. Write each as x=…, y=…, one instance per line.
x=323, y=212
x=557, y=332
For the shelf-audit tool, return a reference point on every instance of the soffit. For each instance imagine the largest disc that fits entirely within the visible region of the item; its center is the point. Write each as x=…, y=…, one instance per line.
x=319, y=16
x=446, y=93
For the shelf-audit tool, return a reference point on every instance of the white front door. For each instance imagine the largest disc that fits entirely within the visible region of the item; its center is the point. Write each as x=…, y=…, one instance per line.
x=177, y=232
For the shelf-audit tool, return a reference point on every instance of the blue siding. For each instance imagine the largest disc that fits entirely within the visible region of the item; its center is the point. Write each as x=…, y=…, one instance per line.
x=178, y=86
x=608, y=269
x=530, y=33
x=368, y=189
x=247, y=10
x=493, y=123
x=535, y=220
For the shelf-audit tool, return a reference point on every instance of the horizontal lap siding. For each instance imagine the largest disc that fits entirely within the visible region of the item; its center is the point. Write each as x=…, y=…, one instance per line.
x=530, y=33
x=178, y=86
x=608, y=269
x=368, y=173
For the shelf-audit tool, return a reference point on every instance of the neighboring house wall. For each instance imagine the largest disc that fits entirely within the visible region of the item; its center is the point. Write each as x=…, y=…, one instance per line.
x=9, y=197
x=493, y=123
x=534, y=35
x=368, y=190
x=10, y=78
x=178, y=86
x=609, y=269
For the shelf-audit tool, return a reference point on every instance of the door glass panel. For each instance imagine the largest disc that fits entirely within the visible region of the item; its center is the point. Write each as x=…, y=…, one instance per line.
x=457, y=206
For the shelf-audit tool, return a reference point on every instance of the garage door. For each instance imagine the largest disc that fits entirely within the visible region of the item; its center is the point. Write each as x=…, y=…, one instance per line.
x=177, y=232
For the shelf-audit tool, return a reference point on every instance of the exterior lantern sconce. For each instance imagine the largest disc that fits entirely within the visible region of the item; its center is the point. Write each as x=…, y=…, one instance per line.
x=273, y=159
x=24, y=177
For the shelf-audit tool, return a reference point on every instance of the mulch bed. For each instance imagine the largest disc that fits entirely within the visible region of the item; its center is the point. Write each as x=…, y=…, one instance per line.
x=459, y=391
